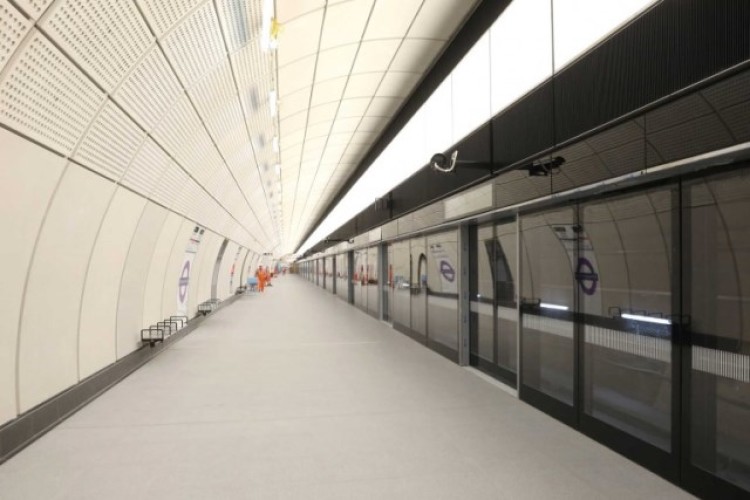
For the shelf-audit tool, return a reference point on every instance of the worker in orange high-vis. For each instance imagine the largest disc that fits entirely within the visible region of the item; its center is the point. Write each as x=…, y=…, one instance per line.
x=261, y=275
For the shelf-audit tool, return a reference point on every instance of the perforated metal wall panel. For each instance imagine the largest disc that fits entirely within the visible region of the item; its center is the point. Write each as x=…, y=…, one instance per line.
x=184, y=136
x=13, y=27
x=44, y=96
x=34, y=8
x=149, y=90
x=195, y=47
x=146, y=169
x=110, y=143
x=105, y=38
x=164, y=14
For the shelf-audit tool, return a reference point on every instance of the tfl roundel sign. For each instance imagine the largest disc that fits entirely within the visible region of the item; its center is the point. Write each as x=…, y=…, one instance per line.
x=447, y=271
x=184, y=280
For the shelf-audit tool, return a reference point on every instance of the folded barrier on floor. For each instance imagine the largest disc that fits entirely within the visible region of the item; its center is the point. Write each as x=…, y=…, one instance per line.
x=163, y=329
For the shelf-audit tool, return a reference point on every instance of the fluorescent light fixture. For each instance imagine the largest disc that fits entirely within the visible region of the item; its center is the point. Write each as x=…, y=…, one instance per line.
x=275, y=144
x=277, y=168
x=265, y=30
x=553, y=306
x=272, y=102
x=647, y=319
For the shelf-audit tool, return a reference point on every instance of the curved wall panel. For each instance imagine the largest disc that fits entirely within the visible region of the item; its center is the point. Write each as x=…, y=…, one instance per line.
x=133, y=285
x=227, y=279
x=28, y=176
x=96, y=336
x=205, y=259
x=205, y=272
x=172, y=274
x=158, y=270
x=48, y=340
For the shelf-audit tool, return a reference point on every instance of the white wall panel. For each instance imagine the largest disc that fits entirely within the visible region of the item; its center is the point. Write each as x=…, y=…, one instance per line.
x=49, y=328
x=471, y=90
x=28, y=176
x=174, y=266
x=521, y=49
x=206, y=257
x=157, y=273
x=205, y=272
x=98, y=324
x=133, y=285
x=228, y=280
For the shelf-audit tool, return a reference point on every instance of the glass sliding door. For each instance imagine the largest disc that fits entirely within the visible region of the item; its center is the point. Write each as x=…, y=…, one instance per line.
x=505, y=264
x=373, y=281
x=716, y=298
x=482, y=298
x=548, y=246
x=342, y=276
x=360, y=278
x=418, y=250
x=624, y=276
x=442, y=293
x=401, y=303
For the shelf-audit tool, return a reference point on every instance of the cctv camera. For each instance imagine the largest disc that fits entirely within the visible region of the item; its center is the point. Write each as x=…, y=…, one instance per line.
x=441, y=163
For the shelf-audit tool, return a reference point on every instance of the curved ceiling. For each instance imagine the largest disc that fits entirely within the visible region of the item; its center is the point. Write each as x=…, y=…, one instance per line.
x=182, y=102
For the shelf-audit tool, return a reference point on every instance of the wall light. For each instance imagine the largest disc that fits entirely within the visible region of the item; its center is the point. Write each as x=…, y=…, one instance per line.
x=647, y=319
x=553, y=306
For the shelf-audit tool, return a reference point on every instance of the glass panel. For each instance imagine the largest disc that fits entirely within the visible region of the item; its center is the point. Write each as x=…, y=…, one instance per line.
x=373, y=289
x=387, y=294
x=442, y=288
x=401, y=283
x=548, y=246
x=360, y=278
x=482, y=296
x=342, y=276
x=623, y=275
x=718, y=298
x=505, y=264
x=419, y=286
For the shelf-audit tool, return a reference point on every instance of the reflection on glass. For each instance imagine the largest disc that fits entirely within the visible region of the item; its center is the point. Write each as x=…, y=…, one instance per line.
x=371, y=279
x=342, y=276
x=442, y=288
x=483, y=297
x=359, y=279
x=418, y=252
x=719, y=290
x=623, y=275
x=548, y=244
x=401, y=262
x=505, y=263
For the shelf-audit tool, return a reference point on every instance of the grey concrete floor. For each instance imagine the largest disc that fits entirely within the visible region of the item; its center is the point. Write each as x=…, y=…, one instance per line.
x=295, y=394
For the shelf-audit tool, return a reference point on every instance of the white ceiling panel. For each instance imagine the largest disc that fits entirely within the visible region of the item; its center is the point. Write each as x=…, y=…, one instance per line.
x=398, y=83
x=392, y=18
x=328, y=91
x=294, y=103
x=335, y=62
x=345, y=23
x=416, y=55
x=196, y=104
x=305, y=41
x=296, y=75
x=375, y=55
x=356, y=106
x=345, y=124
x=439, y=19
x=288, y=11
x=363, y=84
x=384, y=106
x=323, y=113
